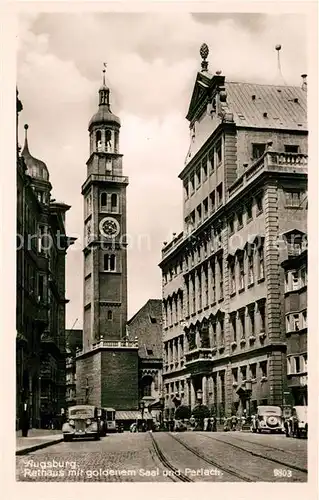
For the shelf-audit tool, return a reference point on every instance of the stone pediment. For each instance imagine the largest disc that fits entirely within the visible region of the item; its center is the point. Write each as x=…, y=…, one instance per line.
x=205, y=86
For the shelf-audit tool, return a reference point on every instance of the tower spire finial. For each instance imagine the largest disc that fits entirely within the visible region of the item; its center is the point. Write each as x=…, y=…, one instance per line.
x=104, y=70
x=204, y=51
x=26, y=145
x=280, y=77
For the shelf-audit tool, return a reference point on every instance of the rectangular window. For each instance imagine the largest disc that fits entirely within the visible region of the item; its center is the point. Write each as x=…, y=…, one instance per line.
x=199, y=295
x=192, y=183
x=239, y=219
x=221, y=278
x=199, y=214
x=243, y=373
x=263, y=368
x=206, y=287
x=291, y=149
x=40, y=288
x=262, y=316
x=213, y=276
x=186, y=189
x=235, y=375
x=261, y=269
x=220, y=194
x=253, y=370
x=249, y=210
x=297, y=364
x=212, y=201
x=259, y=204
x=231, y=225
x=303, y=276
x=198, y=178
x=233, y=322
x=289, y=368
x=295, y=280
x=295, y=322
x=232, y=277
x=251, y=313
x=258, y=150
x=219, y=155
x=211, y=160
x=242, y=323
x=205, y=207
x=304, y=360
x=221, y=330
x=293, y=198
x=204, y=168
x=194, y=294
x=250, y=269
x=304, y=319
x=241, y=273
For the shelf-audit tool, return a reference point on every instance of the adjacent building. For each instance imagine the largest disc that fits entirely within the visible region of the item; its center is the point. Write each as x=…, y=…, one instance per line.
x=245, y=206
x=73, y=339
x=107, y=367
x=40, y=317
x=146, y=327
x=296, y=279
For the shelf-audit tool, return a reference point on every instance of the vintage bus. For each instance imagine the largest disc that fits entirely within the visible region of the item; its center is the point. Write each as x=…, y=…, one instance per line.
x=82, y=421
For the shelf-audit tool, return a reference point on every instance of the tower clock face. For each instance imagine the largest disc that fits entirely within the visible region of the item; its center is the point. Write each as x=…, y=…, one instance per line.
x=109, y=227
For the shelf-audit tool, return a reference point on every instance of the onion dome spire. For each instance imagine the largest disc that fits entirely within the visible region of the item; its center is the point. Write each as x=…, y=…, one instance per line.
x=36, y=168
x=104, y=114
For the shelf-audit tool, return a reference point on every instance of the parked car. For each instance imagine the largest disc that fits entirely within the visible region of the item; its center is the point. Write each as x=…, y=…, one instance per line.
x=299, y=421
x=268, y=418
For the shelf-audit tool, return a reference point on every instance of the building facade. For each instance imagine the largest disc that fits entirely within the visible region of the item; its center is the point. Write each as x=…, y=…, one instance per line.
x=73, y=339
x=245, y=190
x=296, y=279
x=146, y=327
x=107, y=368
x=40, y=315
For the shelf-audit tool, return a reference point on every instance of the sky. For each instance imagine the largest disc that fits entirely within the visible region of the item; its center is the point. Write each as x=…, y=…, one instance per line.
x=152, y=61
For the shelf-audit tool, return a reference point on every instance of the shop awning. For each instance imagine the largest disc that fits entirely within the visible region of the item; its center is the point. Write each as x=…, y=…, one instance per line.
x=132, y=415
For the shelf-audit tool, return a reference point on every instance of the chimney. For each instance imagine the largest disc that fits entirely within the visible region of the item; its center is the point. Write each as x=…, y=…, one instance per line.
x=304, y=82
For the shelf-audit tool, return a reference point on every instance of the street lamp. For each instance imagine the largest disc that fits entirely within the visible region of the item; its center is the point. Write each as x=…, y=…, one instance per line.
x=249, y=388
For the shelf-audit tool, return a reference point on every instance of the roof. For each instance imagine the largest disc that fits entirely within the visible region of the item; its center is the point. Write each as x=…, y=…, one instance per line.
x=146, y=325
x=286, y=106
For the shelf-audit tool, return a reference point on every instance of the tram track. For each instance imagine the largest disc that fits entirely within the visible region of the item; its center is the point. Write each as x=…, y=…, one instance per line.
x=229, y=470
x=177, y=474
x=256, y=454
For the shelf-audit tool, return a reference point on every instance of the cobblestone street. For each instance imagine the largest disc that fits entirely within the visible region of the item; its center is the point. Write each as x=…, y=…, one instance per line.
x=170, y=457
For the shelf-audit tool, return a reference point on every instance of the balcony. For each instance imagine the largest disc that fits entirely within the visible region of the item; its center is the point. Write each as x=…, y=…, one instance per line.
x=116, y=179
x=271, y=161
x=110, y=344
x=199, y=354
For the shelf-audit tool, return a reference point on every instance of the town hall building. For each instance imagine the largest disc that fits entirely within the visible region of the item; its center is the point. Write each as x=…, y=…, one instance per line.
x=245, y=212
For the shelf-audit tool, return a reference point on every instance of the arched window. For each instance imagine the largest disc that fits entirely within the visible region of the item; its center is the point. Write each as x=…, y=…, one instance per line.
x=109, y=315
x=98, y=140
x=103, y=200
x=114, y=202
x=106, y=262
x=108, y=140
x=112, y=262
